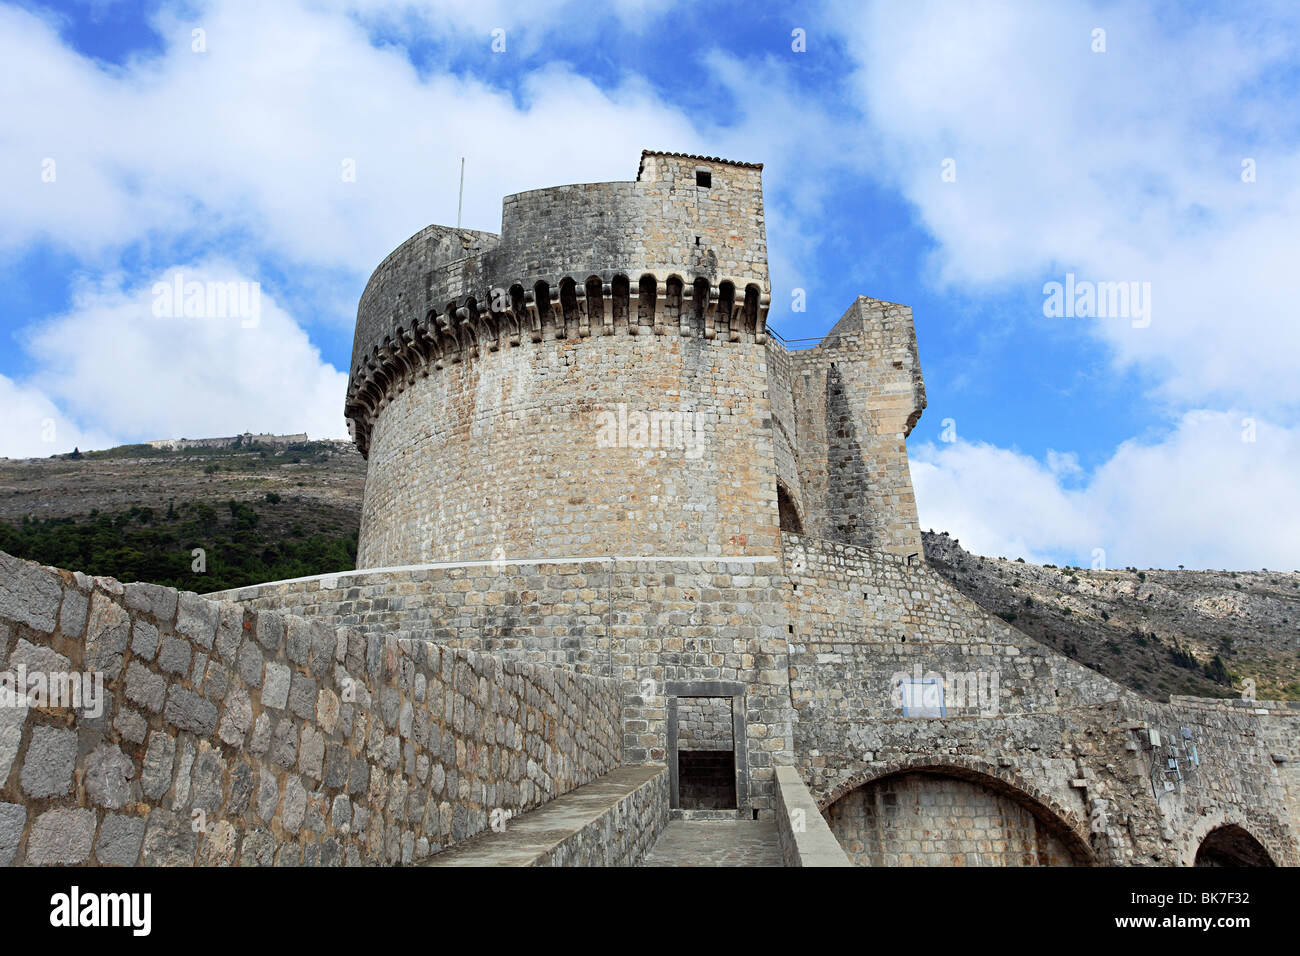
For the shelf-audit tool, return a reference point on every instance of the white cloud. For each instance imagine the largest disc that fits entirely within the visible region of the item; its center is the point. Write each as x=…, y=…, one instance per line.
x=32, y=426
x=1122, y=165
x=251, y=136
x=1200, y=496
x=115, y=371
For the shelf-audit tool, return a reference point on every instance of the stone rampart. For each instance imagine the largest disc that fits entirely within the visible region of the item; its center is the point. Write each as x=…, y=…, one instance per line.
x=226, y=734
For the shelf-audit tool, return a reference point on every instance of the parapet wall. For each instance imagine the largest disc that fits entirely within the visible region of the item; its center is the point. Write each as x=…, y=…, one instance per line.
x=863, y=618
x=647, y=623
x=253, y=737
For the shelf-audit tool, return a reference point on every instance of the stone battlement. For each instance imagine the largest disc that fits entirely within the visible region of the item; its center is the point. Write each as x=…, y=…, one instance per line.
x=681, y=249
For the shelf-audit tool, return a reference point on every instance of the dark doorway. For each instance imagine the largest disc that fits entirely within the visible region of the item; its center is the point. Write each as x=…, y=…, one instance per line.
x=706, y=754
x=1232, y=846
x=708, y=765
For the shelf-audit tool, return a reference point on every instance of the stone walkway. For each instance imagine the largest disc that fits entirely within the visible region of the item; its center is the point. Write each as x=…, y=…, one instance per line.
x=716, y=843
x=530, y=837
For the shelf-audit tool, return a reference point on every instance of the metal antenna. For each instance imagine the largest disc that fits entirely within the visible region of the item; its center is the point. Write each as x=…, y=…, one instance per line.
x=460, y=199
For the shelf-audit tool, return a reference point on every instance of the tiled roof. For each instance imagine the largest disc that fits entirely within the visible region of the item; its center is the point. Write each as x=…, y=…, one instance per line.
x=707, y=159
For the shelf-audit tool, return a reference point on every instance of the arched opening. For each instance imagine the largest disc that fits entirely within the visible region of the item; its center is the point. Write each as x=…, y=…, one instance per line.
x=673, y=303
x=750, y=319
x=542, y=297
x=622, y=291
x=1231, y=845
x=519, y=306
x=726, y=304
x=645, y=306
x=938, y=817
x=595, y=302
x=701, y=300
x=569, y=303
x=789, y=514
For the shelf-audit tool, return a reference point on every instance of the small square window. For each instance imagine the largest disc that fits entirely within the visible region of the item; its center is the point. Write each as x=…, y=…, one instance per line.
x=703, y=178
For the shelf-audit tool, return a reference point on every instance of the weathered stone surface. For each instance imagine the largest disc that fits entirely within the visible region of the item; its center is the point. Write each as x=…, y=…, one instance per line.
x=144, y=639
x=250, y=664
x=13, y=717
x=293, y=807
x=196, y=619
x=61, y=836
x=302, y=696
x=48, y=766
x=131, y=725
x=268, y=795
x=188, y=711
x=169, y=840
x=238, y=717
x=270, y=631
x=120, y=839
x=152, y=599
x=327, y=710
x=261, y=739
x=159, y=762
x=174, y=657
x=13, y=818
x=144, y=687
x=108, y=776
x=206, y=781
x=230, y=631
x=107, y=632
x=275, y=689
x=73, y=613
x=29, y=594
x=284, y=744
x=218, y=845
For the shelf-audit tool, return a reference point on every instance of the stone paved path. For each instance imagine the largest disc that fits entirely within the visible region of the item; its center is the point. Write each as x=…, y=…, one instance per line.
x=716, y=843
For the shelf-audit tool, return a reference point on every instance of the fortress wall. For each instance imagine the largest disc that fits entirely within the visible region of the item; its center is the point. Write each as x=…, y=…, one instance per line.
x=780, y=391
x=1280, y=736
x=434, y=265
x=857, y=396
x=686, y=621
x=233, y=735
x=645, y=444
x=1237, y=780
x=1061, y=736
x=862, y=618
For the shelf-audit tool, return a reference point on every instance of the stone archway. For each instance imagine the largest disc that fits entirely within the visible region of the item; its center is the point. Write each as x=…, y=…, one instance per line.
x=1222, y=837
x=923, y=814
x=1231, y=845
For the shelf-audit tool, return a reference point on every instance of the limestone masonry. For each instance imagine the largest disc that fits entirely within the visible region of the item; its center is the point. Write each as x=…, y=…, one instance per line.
x=610, y=521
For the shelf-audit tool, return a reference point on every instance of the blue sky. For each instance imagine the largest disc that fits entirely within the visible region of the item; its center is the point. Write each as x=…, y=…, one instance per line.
x=1114, y=157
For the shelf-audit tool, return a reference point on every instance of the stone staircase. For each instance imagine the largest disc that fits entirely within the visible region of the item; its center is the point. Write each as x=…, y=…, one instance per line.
x=611, y=821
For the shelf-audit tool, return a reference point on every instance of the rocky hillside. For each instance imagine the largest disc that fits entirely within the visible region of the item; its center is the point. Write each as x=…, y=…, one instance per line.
x=264, y=513
x=258, y=512
x=1159, y=632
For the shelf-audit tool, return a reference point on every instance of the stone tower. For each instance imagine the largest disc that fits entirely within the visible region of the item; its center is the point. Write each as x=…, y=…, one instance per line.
x=598, y=380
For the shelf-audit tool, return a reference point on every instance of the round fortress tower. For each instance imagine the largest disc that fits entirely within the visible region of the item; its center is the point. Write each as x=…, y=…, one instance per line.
x=593, y=381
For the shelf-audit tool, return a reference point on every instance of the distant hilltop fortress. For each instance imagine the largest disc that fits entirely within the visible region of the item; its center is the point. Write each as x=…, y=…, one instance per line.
x=248, y=438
